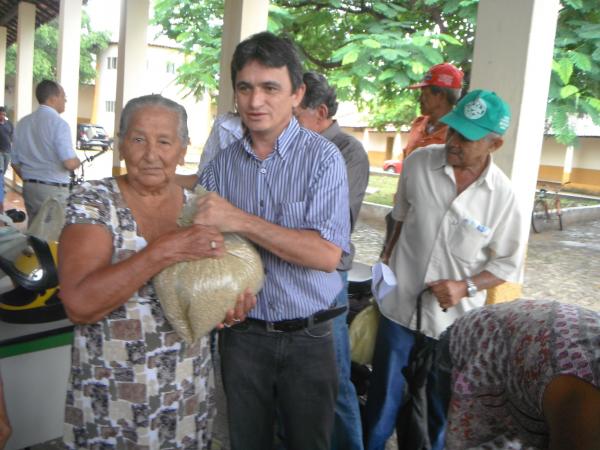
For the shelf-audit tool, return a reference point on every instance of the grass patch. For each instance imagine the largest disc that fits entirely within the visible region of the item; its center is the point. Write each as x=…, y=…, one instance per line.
x=381, y=189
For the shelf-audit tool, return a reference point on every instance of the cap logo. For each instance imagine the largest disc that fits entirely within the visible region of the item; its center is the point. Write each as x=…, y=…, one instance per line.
x=475, y=109
x=446, y=79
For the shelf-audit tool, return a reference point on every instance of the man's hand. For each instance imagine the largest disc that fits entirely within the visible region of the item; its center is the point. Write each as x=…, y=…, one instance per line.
x=448, y=292
x=215, y=211
x=246, y=301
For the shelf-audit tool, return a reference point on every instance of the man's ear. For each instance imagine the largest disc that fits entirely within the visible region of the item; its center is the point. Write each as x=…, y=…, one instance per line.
x=496, y=144
x=298, y=95
x=322, y=112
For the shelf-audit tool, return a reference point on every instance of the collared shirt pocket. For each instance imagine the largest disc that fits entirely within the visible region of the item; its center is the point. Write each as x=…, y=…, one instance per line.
x=292, y=214
x=468, y=238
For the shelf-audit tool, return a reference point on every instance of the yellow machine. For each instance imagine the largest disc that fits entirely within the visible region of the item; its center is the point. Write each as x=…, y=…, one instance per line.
x=35, y=297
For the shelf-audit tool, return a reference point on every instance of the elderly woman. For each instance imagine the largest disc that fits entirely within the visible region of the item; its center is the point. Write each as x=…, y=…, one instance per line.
x=525, y=375
x=133, y=382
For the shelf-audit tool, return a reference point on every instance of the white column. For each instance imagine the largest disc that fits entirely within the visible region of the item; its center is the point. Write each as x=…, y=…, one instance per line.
x=69, y=27
x=131, y=62
x=242, y=18
x=514, y=43
x=2, y=63
x=25, y=39
x=568, y=165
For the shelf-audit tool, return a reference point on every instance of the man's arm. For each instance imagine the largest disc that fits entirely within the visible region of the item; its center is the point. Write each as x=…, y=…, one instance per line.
x=301, y=247
x=449, y=292
x=71, y=163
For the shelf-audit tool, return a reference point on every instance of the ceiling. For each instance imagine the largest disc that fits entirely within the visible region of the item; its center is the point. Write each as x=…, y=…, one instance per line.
x=46, y=10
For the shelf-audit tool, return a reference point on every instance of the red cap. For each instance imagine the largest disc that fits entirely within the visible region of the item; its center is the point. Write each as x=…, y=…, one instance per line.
x=442, y=75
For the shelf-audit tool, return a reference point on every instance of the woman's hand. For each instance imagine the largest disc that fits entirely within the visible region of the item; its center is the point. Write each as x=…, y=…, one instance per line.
x=246, y=301
x=191, y=243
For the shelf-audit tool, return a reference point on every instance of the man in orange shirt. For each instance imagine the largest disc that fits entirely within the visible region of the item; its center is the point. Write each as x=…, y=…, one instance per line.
x=440, y=90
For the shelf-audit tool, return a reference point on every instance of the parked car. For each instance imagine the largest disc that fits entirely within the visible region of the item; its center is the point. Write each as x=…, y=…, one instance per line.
x=90, y=135
x=392, y=166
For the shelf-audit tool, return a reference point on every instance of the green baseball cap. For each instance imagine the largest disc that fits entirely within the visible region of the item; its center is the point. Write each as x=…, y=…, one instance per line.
x=479, y=113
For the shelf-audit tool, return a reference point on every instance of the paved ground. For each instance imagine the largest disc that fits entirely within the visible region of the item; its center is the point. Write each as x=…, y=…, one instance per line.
x=561, y=265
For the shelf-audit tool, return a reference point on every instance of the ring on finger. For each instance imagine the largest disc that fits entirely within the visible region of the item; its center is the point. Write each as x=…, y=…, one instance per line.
x=213, y=244
x=236, y=320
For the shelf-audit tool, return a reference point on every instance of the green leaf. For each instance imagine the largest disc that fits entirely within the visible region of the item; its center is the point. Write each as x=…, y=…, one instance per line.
x=371, y=43
x=580, y=60
x=568, y=90
x=564, y=69
x=350, y=57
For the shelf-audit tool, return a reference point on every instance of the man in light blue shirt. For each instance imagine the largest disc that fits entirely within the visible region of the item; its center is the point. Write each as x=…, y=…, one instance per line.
x=284, y=188
x=43, y=154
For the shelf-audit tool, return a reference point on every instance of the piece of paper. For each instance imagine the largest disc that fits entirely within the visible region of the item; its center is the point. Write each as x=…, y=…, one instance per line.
x=383, y=281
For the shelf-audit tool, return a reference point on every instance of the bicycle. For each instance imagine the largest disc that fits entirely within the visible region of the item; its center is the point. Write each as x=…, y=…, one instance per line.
x=543, y=216
x=79, y=178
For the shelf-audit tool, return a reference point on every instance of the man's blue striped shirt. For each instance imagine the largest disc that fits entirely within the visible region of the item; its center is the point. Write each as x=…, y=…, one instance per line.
x=302, y=184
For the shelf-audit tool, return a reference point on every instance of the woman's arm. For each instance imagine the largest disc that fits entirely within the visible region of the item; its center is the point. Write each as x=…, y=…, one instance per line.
x=5, y=429
x=91, y=286
x=571, y=408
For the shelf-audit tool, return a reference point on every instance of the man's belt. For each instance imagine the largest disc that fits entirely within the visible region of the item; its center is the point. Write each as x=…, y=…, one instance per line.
x=48, y=183
x=284, y=326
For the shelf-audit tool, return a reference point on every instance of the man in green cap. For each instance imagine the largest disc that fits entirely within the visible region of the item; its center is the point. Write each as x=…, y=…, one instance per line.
x=458, y=233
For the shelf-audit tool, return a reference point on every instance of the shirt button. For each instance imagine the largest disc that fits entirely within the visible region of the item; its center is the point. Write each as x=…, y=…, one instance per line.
x=263, y=170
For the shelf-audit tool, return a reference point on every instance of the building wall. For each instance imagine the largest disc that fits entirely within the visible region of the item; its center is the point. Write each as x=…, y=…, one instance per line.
x=161, y=64
x=86, y=102
x=585, y=172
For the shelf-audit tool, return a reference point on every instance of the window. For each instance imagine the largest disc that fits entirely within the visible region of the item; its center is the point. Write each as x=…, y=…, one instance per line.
x=170, y=67
x=111, y=62
x=110, y=106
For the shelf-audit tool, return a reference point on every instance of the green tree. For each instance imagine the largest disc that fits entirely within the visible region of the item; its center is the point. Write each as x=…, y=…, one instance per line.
x=372, y=50
x=46, y=48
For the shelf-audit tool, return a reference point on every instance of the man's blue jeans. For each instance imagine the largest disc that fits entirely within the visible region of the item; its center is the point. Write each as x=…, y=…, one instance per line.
x=347, y=432
x=387, y=386
x=292, y=375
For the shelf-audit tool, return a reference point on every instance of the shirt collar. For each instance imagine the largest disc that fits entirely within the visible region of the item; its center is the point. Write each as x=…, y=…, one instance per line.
x=438, y=161
x=49, y=108
x=283, y=143
x=332, y=131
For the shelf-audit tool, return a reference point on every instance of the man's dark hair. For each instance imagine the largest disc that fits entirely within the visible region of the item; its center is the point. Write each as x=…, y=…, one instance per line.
x=270, y=51
x=46, y=89
x=451, y=94
x=318, y=92
x=2, y=109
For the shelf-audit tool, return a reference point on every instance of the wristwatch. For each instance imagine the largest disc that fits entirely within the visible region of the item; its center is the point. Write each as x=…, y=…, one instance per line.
x=471, y=287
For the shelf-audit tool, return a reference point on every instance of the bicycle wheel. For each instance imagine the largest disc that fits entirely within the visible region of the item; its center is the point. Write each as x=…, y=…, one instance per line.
x=539, y=216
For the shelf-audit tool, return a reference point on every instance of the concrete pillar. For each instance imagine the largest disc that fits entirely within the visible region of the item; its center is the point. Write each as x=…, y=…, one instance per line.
x=514, y=44
x=2, y=63
x=69, y=28
x=242, y=19
x=25, y=40
x=131, y=62
x=568, y=165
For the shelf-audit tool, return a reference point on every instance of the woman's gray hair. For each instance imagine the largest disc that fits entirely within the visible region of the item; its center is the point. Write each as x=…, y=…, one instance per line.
x=135, y=104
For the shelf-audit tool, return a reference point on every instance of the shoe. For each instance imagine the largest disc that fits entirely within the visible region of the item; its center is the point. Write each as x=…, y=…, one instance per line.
x=16, y=215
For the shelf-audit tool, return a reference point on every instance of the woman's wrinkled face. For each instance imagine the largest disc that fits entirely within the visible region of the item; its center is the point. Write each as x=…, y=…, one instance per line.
x=152, y=147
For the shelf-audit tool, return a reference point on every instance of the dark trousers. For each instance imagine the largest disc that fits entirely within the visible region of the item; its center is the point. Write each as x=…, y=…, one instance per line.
x=387, y=387
x=294, y=374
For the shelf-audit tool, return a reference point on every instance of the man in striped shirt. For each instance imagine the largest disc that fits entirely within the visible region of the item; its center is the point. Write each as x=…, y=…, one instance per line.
x=284, y=188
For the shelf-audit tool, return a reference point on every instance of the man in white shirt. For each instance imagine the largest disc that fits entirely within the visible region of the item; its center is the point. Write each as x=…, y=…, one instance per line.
x=43, y=153
x=458, y=233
